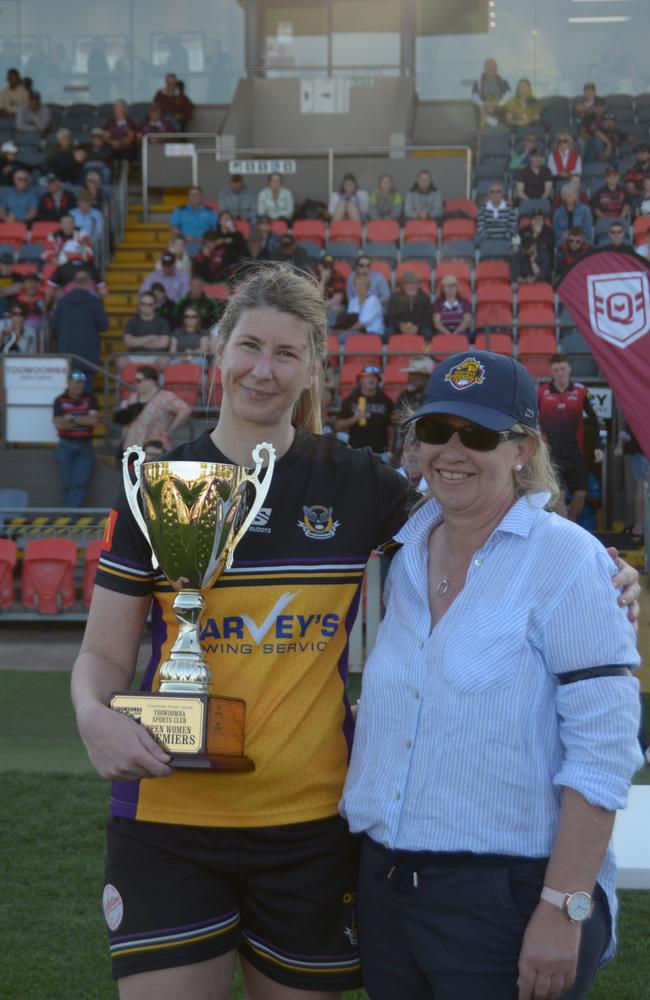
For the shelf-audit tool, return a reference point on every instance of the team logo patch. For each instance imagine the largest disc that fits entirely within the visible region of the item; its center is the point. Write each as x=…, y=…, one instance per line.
x=318, y=522
x=261, y=521
x=619, y=306
x=468, y=372
x=113, y=906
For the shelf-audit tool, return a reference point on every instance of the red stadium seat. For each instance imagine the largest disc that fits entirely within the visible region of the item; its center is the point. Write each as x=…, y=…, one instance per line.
x=343, y=267
x=382, y=231
x=539, y=293
x=347, y=230
x=641, y=227
x=535, y=350
x=91, y=561
x=419, y=267
x=24, y=269
x=8, y=556
x=365, y=347
x=309, y=229
x=495, y=271
x=420, y=230
x=48, y=575
x=279, y=227
x=244, y=227
x=461, y=206
x=41, y=230
x=382, y=267
x=215, y=388
x=349, y=373
x=333, y=349
x=444, y=344
x=459, y=269
x=458, y=229
x=488, y=293
x=127, y=374
x=498, y=343
x=536, y=316
x=218, y=291
x=494, y=315
x=15, y=233
x=402, y=346
x=395, y=379
x=185, y=380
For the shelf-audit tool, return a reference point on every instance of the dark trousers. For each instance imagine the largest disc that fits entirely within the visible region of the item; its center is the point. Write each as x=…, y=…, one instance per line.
x=450, y=927
x=75, y=461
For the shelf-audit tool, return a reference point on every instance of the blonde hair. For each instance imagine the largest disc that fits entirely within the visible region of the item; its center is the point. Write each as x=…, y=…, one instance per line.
x=279, y=286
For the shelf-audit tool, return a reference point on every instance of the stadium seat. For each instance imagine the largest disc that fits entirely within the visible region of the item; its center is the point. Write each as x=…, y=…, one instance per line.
x=41, y=230
x=343, y=250
x=382, y=231
x=494, y=315
x=444, y=344
x=127, y=375
x=536, y=316
x=494, y=271
x=366, y=348
x=243, y=225
x=458, y=229
x=218, y=291
x=15, y=233
x=349, y=372
x=498, y=343
x=382, y=267
x=309, y=229
x=346, y=230
x=420, y=268
x=333, y=350
x=30, y=252
x=8, y=557
x=458, y=250
x=535, y=349
x=25, y=268
x=311, y=248
x=279, y=227
x=381, y=251
x=344, y=268
x=91, y=561
x=48, y=575
x=421, y=229
x=460, y=208
x=528, y=205
x=641, y=227
x=215, y=387
x=402, y=346
x=458, y=268
x=185, y=380
x=395, y=378
x=489, y=292
x=539, y=293
x=420, y=250
x=489, y=172
x=496, y=250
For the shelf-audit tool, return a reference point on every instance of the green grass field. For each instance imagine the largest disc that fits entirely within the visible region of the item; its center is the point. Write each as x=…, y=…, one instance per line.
x=52, y=816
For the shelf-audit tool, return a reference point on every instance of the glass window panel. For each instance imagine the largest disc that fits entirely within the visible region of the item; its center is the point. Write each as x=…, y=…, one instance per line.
x=294, y=37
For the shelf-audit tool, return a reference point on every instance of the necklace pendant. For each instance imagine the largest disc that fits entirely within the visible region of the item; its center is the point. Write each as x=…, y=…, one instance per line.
x=442, y=587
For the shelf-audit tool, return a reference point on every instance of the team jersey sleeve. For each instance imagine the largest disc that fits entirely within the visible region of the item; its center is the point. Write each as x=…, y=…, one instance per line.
x=125, y=561
x=396, y=497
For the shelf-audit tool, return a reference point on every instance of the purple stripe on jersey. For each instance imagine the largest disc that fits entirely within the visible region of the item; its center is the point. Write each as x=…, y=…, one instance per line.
x=233, y=915
x=158, y=638
x=305, y=561
x=121, y=561
x=348, y=722
x=255, y=938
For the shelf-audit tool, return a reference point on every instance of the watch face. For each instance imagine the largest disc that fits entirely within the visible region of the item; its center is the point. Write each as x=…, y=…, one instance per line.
x=578, y=906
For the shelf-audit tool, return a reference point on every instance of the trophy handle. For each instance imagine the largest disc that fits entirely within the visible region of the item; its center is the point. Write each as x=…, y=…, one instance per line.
x=261, y=489
x=132, y=489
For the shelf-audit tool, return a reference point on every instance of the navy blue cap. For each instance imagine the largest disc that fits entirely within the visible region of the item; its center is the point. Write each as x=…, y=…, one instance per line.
x=491, y=390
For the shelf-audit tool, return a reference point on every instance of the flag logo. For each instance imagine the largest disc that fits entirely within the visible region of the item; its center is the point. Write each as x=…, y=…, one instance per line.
x=619, y=306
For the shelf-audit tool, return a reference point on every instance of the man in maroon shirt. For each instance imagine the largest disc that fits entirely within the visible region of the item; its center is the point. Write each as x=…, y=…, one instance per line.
x=611, y=200
x=639, y=170
x=573, y=247
x=535, y=180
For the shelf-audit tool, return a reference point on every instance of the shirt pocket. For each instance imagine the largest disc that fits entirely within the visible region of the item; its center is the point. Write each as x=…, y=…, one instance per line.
x=485, y=655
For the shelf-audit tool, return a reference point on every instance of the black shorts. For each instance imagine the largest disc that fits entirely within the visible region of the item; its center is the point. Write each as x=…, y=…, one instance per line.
x=572, y=468
x=283, y=896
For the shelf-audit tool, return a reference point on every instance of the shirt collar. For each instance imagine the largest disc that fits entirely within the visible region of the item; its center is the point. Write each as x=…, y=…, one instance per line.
x=517, y=521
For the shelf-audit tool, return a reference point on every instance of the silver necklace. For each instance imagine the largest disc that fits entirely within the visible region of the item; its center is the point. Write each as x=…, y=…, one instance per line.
x=442, y=587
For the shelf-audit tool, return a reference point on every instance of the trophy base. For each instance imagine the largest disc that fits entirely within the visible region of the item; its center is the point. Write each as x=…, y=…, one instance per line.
x=200, y=731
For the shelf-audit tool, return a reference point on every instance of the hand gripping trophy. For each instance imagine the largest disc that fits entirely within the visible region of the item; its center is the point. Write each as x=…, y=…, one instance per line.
x=193, y=516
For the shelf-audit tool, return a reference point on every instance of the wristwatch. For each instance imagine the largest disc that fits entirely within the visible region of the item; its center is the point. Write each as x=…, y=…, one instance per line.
x=576, y=905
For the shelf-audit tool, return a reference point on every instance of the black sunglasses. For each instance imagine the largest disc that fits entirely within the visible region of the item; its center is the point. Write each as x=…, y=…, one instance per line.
x=432, y=430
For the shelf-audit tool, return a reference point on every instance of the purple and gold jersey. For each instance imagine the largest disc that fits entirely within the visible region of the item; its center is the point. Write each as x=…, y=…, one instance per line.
x=275, y=632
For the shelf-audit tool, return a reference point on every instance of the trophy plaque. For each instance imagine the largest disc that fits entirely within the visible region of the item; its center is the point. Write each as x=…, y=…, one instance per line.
x=193, y=516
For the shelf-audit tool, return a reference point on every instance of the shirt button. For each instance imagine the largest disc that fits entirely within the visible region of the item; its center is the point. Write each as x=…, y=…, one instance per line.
x=477, y=562
x=396, y=795
x=409, y=744
x=417, y=695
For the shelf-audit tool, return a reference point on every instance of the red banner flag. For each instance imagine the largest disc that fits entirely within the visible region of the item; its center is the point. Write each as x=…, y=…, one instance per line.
x=607, y=293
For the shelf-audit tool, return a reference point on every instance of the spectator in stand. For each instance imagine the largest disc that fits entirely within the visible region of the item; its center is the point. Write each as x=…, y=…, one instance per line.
x=121, y=133
x=146, y=331
x=31, y=296
x=541, y=233
x=9, y=162
x=34, y=116
x=535, y=180
x=531, y=263
x=14, y=96
x=293, y=255
x=95, y=187
x=386, y=202
x=175, y=282
x=366, y=415
x=574, y=182
x=66, y=232
x=20, y=202
x=572, y=213
x=178, y=247
x=65, y=159
x=223, y=253
x=419, y=372
x=586, y=104
x=194, y=218
x=256, y=248
x=87, y=219
x=78, y=320
x=237, y=199
x=349, y=202
x=155, y=122
x=565, y=160
x=333, y=289
x=604, y=139
x=639, y=170
x=378, y=284
x=364, y=313
x=271, y=240
x=165, y=306
x=174, y=102
x=275, y=200
x=16, y=334
x=209, y=309
x=496, y=220
x=617, y=236
x=524, y=108
x=99, y=150
x=491, y=86
x=641, y=203
x=75, y=256
x=55, y=202
x=611, y=200
x=423, y=201
x=76, y=413
x=189, y=337
x=162, y=414
x=409, y=309
x=451, y=312
x=572, y=249
x=520, y=160
x=492, y=116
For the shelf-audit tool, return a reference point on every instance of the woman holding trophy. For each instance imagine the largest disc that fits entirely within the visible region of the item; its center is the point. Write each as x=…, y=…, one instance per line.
x=251, y=859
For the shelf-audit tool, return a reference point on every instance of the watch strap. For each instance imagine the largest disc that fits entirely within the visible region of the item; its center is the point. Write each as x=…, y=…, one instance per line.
x=554, y=897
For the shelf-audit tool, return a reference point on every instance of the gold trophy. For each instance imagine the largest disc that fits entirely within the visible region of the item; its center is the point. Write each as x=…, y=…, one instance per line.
x=193, y=516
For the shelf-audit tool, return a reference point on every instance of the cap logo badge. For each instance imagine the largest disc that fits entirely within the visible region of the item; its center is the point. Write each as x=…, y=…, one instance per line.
x=468, y=372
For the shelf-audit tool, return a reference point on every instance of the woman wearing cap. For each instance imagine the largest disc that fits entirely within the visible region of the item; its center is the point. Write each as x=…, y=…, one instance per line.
x=451, y=312
x=497, y=729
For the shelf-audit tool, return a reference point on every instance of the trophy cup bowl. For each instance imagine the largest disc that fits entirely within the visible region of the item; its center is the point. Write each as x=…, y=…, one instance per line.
x=193, y=516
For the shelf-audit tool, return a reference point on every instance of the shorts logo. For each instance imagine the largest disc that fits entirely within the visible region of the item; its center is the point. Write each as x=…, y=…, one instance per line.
x=619, y=306
x=468, y=372
x=318, y=522
x=113, y=906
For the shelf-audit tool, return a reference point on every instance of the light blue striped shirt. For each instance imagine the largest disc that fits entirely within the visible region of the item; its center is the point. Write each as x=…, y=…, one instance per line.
x=465, y=738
